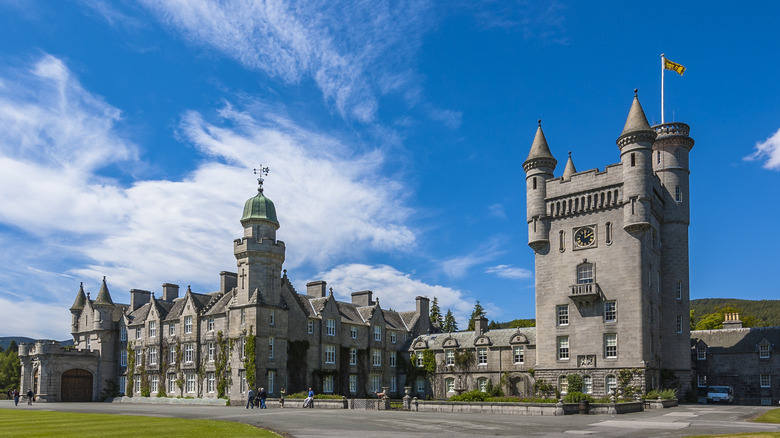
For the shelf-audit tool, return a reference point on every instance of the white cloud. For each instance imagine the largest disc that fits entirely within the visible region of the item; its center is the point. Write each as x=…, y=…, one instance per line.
x=352, y=50
x=34, y=319
x=393, y=288
x=457, y=267
x=497, y=210
x=509, y=272
x=451, y=119
x=768, y=149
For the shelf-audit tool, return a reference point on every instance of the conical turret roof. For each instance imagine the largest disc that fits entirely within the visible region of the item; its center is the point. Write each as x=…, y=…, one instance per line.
x=540, y=152
x=103, y=298
x=636, y=120
x=570, y=169
x=81, y=299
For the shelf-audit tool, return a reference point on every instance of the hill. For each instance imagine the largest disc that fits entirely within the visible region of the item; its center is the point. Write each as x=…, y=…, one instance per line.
x=767, y=312
x=6, y=341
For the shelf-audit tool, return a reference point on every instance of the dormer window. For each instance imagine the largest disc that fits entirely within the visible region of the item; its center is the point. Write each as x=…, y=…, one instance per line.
x=763, y=351
x=701, y=352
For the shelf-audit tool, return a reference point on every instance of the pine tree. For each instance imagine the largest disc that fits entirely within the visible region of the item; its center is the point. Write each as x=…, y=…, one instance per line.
x=478, y=312
x=436, y=317
x=450, y=325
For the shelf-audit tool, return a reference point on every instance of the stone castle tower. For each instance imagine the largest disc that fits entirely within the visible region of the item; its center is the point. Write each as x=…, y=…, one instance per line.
x=611, y=256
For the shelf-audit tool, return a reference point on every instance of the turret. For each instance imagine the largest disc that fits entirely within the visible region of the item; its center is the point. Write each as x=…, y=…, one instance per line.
x=77, y=307
x=569, y=170
x=670, y=163
x=104, y=307
x=636, y=148
x=538, y=167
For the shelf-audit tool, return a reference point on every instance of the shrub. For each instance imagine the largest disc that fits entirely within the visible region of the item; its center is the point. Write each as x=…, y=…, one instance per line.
x=544, y=389
x=575, y=382
x=471, y=396
x=666, y=394
x=576, y=397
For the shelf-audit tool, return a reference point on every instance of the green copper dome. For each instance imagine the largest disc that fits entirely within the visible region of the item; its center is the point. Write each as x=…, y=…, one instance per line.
x=259, y=208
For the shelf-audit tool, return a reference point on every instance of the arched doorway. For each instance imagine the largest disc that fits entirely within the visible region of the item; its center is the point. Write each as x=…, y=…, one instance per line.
x=76, y=386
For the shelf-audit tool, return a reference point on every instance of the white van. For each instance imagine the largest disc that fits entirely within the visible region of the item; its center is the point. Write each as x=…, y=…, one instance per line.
x=720, y=394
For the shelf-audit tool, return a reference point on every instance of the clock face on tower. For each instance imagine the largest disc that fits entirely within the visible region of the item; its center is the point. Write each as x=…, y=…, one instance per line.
x=585, y=237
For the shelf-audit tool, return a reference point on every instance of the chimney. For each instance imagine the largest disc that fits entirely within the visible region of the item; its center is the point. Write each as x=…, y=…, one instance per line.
x=227, y=281
x=423, y=305
x=316, y=289
x=138, y=298
x=362, y=298
x=480, y=326
x=170, y=291
x=732, y=321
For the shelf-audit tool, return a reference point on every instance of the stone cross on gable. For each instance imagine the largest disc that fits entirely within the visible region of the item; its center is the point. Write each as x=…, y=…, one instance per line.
x=261, y=171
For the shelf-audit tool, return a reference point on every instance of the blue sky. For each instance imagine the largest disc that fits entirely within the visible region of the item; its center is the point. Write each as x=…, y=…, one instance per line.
x=395, y=133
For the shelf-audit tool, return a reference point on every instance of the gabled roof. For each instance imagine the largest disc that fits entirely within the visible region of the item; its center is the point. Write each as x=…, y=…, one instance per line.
x=394, y=320
x=737, y=340
x=218, y=304
x=409, y=318
x=305, y=305
x=318, y=304
x=349, y=313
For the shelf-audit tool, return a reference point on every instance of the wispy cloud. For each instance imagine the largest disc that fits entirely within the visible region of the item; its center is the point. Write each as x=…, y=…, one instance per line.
x=768, y=150
x=451, y=119
x=542, y=21
x=510, y=272
x=457, y=267
x=353, y=50
x=497, y=210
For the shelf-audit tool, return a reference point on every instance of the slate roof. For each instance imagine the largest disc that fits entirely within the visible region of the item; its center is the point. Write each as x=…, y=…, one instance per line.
x=409, y=318
x=349, y=313
x=498, y=337
x=736, y=340
x=394, y=320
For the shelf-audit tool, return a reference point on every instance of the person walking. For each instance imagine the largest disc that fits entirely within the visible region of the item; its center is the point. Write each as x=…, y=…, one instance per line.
x=308, y=402
x=30, y=397
x=262, y=394
x=16, y=397
x=250, y=401
x=281, y=398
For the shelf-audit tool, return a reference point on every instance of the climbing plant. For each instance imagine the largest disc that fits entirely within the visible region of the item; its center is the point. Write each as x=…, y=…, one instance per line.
x=221, y=368
x=145, y=389
x=163, y=357
x=179, y=374
x=250, y=366
x=130, y=370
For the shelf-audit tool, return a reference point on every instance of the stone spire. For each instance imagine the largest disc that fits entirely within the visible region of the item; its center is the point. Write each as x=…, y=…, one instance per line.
x=636, y=127
x=570, y=169
x=104, y=298
x=81, y=299
x=539, y=149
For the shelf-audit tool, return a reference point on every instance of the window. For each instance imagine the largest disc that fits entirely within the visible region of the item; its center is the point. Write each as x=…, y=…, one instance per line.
x=310, y=326
x=482, y=384
x=534, y=183
x=392, y=359
x=153, y=357
x=330, y=354
x=393, y=384
x=763, y=351
x=123, y=358
x=242, y=350
x=272, y=317
x=419, y=358
x=270, y=348
x=518, y=354
x=374, y=383
x=701, y=352
x=585, y=273
x=210, y=324
x=139, y=357
x=563, y=314
x=172, y=383
x=587, y=384
x=152, y=329
x=211, y=383
x=377, y=333
x=327, y=384
x=242, y=381
x=190, y=383
x=243, y=316
x=353, y=332
x=658, y=157
x=482, y=356
x=562, y=241
x=189, y=355
x=353, y=383
x=701, y=380
x=89, y=345
x=610, y=311
x=679, y=324
x=122, y=384
x=563, y=384
x=610, y=383
x=449, y=383
x=154, y=384
x=331, y=327
x=136, y=383
x=610, y=345
x=172, y=355
x=212, y=351
x=123, y=333
x=678, y=193
x=563, y=348
x=138, y=332
x=393, y=337
x=633, y=160
x=421, y=386
x=172, y=329
x=449, y=357
x=353, y=356
x=765, y=380
x=608, y=233
x=678, y=290
x=270, y=380
x=187, y=324
x=376, y=357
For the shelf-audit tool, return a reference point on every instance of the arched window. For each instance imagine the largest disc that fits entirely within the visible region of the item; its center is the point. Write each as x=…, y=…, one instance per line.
x=585, y=273
x=449, y=383
x=563, y=384
x=482, y=384
x=610, y=383
x=587, y=384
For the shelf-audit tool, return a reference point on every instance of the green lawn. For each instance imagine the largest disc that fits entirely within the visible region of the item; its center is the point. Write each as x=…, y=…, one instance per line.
x=772, y=416
x=27, y=423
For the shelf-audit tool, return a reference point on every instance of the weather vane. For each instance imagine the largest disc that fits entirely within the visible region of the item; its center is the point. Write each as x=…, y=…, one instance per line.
x=261, y=171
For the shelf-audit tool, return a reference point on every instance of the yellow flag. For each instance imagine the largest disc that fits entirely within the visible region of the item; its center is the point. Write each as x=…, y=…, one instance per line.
x=669, y=65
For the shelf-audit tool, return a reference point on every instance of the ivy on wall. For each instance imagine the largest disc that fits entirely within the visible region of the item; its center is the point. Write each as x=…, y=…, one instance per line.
x=297, y=365
x=145, y=389
x=130, y=387
x=250, y=348
x=221, y=366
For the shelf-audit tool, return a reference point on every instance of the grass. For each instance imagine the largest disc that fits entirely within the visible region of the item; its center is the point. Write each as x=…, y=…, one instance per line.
x=772, y=416
x=20, y=423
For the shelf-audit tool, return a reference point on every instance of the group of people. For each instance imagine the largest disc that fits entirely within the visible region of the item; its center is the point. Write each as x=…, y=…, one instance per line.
x=258, y=399
x=16, y=395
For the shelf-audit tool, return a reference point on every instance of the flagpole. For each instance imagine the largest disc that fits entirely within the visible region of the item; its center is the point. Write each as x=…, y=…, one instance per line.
x=663, y=65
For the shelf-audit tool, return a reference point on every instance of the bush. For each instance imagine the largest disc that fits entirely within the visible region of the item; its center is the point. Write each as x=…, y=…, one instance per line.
x=665, y=394
x=575, y=382
x=304, y=394
x=477, y=396
x=544, y=389
x=471, y=396
x=576, y=397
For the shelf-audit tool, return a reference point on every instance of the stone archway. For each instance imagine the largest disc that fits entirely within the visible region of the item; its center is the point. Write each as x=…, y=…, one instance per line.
x=76, y=386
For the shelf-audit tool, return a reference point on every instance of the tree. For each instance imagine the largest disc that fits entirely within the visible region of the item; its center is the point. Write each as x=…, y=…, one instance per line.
x=436, y=317
x=10, y=370
x=494, y=325
x=478, y=312
x=715, y=320
x=450, y=325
